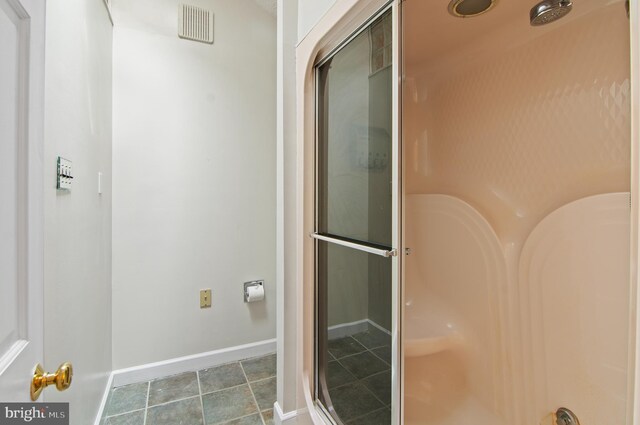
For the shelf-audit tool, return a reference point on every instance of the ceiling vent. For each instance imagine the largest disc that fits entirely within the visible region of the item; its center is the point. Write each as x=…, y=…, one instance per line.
x=195, y=24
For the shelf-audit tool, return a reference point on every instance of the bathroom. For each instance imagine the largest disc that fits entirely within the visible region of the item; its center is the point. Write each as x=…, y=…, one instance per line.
x=431, y=251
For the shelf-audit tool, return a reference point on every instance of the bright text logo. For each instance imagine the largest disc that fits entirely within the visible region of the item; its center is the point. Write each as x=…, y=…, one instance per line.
x=34, y=413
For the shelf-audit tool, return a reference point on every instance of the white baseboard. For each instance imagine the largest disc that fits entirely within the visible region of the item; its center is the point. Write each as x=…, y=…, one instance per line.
x=280, y=418
x=348, y=329
x=372, y=323
x=169, y=367
x=352, y=328
x=105, y=397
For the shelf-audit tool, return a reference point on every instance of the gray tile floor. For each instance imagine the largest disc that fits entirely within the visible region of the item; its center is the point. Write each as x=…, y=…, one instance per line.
x=359, y=377
x=239, y=393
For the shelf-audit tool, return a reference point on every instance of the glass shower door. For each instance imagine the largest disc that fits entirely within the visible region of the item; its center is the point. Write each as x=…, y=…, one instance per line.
x=355, y=194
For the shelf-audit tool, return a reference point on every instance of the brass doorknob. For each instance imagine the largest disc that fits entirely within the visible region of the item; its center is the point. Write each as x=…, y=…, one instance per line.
x=41, y=380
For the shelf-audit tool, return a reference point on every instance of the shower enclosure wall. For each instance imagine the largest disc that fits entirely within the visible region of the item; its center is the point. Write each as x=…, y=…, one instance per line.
x=512, y=212
x=516, y=142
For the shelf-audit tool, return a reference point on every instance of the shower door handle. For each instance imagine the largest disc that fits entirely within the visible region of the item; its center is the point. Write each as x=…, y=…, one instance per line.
x=358, y=246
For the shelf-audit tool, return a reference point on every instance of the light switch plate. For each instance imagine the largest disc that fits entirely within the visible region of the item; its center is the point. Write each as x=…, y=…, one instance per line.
x=64, y=173
x=205, y=298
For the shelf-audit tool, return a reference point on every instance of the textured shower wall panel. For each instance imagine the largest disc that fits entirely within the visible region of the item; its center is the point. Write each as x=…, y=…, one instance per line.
x=574, y=283
x=519, y=133
x=546, y=123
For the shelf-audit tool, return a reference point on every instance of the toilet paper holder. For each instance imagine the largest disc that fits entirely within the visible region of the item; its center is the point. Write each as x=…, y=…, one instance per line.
x=248, y=285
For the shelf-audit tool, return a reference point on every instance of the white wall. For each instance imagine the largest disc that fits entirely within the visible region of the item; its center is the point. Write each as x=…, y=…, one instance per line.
x=194, y=179
x=78, y=223
x=309, y=13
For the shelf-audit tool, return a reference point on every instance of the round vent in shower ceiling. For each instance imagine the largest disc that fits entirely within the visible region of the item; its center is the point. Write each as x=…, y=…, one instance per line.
x=470, y=8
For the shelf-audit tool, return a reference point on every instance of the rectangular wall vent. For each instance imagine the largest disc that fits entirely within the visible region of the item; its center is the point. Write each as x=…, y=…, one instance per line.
x=195, y=24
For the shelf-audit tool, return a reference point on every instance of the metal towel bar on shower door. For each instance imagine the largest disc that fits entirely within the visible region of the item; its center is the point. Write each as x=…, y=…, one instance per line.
x=360, y=247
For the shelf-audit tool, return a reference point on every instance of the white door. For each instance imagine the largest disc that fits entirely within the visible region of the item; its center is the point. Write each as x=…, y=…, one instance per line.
x=21, y=187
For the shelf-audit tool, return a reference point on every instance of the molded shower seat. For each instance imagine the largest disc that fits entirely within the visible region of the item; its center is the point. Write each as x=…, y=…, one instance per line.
x=427, y=332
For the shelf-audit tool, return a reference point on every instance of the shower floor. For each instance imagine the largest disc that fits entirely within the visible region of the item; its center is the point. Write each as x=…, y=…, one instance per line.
x=238, y=393
x=359, y=377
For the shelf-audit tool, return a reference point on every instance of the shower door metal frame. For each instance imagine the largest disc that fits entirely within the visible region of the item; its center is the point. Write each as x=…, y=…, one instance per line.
x=397, y=409
x=633, y=393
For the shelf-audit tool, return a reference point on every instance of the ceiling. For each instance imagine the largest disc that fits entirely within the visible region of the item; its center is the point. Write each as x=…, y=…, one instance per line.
x=270, y=6
x=435, y=40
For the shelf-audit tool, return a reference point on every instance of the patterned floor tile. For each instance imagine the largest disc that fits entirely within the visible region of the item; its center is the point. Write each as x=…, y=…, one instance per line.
x=247, y=420
x=353, y=400
x=260, y=367
x=380, y=386
x=373, y=338
x=219, y=395
x=183, y=412
x=221, y=377
x=384, y=353
x=379, y=417
x=228, y=404
x=346, y=346
x=172, y=388
x=265, y=393
x=338, y=375
x=131, y=418
x=267, y=416
x=363, y=364
x=127, y=398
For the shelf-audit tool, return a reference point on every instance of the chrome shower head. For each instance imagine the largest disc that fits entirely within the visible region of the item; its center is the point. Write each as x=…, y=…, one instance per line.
x=548, y=11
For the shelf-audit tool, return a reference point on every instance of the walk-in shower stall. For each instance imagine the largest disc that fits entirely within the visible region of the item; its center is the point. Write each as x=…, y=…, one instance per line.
x=470, y=222
x=516, y=142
